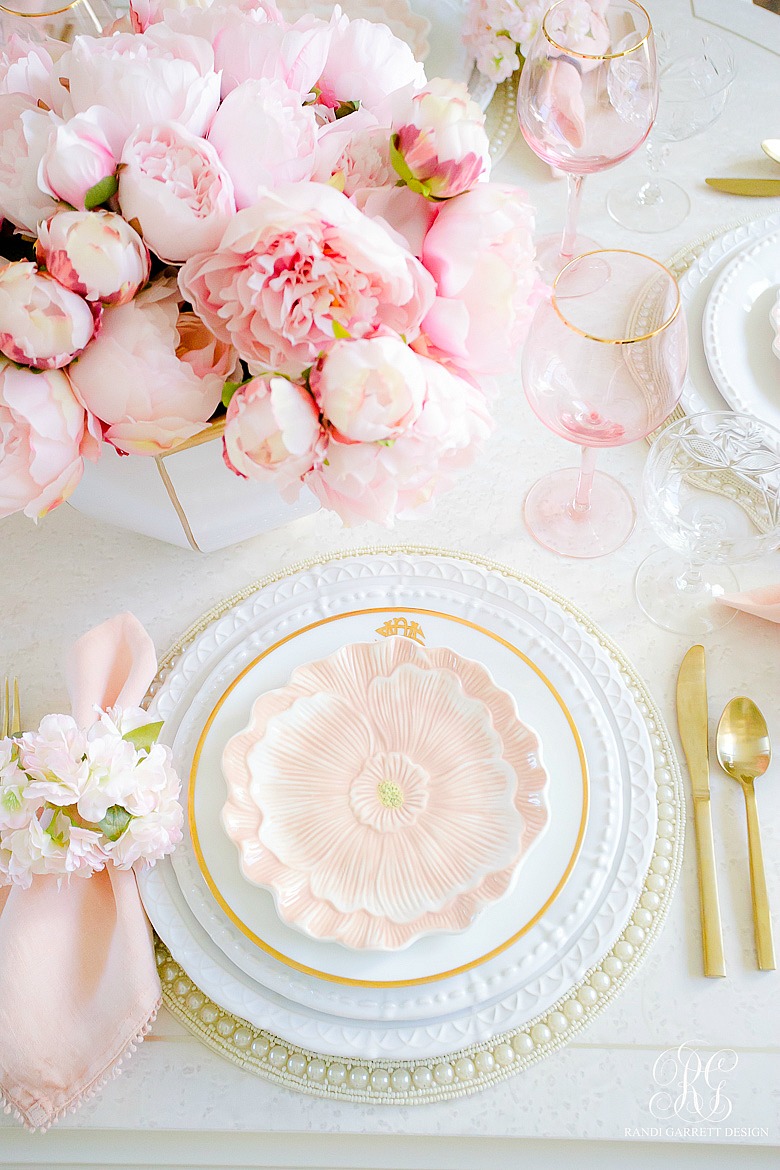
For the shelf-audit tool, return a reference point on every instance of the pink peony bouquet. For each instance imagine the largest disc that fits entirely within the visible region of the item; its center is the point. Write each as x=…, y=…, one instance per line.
x=500, y=32
x=284, y=227
x=73, y=799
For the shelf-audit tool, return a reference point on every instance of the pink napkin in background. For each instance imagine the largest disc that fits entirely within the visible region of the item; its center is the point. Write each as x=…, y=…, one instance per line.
x=763, y=603
x=78, y=982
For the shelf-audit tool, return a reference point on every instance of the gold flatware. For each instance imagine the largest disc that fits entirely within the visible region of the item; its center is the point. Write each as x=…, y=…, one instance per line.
x=692, y=719
x=771, y=148
x=11, y=718
x=744, y=753
x=756, y=187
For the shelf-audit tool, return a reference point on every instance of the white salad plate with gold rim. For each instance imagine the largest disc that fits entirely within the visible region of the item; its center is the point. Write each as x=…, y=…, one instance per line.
x=574, y=894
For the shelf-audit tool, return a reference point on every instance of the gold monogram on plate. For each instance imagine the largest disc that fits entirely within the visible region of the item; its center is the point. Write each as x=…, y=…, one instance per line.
x=403, y=627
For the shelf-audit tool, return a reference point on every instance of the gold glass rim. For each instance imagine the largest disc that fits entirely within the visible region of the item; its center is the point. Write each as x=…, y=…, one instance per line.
x=330, y=977
x=39, y=15
x=617, y=340
x=597, y=56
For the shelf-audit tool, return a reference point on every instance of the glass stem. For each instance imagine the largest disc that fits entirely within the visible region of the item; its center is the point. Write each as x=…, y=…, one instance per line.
x=569, y=239
x=582, y=494
x=691, y=581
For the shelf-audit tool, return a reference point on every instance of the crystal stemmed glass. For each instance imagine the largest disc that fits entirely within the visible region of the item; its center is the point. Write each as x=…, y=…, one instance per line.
x=586, y=100
x=603, y=365
x=59, y=19
x=711, y=491
x=695, y=76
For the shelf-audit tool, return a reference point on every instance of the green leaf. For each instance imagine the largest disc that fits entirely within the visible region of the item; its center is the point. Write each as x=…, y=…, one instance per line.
x=142, y=738
x=398, y=161
x=115, y=822
x=339, y=331
x=345, y=109
x=228, y=390
x=101, y=192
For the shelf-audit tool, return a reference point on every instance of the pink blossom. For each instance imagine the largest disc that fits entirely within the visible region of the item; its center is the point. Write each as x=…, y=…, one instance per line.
x=28, y=67
x=272, y=431
x=206, y=354
x=249, y=46
x=378, y=481
x=354, y=153
x=53, y=757
x=442, y=149
x=133, y=380
x=282, y=131
x=300, y=268
x=148, y=78
x=401, y=210
x=175, y=186
x=24, y=136
x=16, y=809
x=44, y=436
x=366, y=63
x=370, y=390
x=95, y=254
x=42, y=324
x=81, y=153
x=480, y=251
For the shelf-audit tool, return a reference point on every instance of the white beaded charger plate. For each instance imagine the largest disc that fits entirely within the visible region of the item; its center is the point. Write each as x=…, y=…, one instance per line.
x=738, y=332
x=507, y=966
x=508, y=1050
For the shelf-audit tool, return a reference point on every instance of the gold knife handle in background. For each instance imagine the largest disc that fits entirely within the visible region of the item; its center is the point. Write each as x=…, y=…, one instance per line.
x=712, y=935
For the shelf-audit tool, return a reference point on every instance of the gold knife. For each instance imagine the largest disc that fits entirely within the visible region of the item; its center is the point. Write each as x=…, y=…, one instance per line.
x=762, y=187
x=693, y=721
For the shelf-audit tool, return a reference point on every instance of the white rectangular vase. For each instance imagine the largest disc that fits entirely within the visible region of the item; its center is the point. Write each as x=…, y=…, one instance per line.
x=187, y=497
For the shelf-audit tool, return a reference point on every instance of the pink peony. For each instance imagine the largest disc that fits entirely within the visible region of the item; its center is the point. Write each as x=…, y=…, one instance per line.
x=264, y=136
x=133, y=380
x=42, y=324
x=24, y=136
x=95, y=254
x=29, y=67
x=401, y=210
x=175, y=186
x=44, y=435
x=202, y=351
x=370, y=390
x=366, y=63
x=249, y=46
x=156, y=76
x=300, y=268
x=354, y=153
x=81, y=153
x=144, y=13
x=480, y=251
x=379, y=481
x=442, y=149
x=272, y=430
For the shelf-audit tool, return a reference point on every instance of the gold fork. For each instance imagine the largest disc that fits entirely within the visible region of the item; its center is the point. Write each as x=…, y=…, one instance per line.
x=11, y=720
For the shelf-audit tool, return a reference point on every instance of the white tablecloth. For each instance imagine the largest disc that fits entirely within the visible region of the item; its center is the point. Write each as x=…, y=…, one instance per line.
x=67, y=574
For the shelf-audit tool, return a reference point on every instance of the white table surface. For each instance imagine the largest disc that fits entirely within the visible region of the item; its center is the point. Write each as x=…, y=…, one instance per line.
x=179, y=1104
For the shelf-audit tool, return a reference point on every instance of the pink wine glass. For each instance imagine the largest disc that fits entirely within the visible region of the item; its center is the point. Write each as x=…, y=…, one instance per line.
x=604, y=365
x=587, y=99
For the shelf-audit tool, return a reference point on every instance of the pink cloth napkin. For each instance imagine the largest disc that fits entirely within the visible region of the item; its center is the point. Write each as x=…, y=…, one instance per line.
x=78, y=982
x=763, y=603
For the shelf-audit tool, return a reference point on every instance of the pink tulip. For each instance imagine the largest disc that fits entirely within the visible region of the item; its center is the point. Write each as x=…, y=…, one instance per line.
x=442, y=149
x=282, y=132
x=81, y=153
x=42, y=324
x=95, y=254
x=45, y=434
x=175, y=186
x=272, y=431
x=133, y=379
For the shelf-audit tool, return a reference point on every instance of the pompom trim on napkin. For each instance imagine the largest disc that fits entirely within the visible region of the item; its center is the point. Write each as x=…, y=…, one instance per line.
x=32, y=1123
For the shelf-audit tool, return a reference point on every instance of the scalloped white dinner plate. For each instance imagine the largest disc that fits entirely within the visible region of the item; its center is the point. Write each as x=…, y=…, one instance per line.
x=738, y=332
x=534, y=969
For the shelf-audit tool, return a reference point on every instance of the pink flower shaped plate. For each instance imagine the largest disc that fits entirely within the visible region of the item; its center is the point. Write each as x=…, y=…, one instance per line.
x=387, y=792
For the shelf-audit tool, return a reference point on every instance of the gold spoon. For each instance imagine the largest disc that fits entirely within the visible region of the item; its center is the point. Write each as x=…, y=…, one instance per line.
x=744, y=752
x=771, y=148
